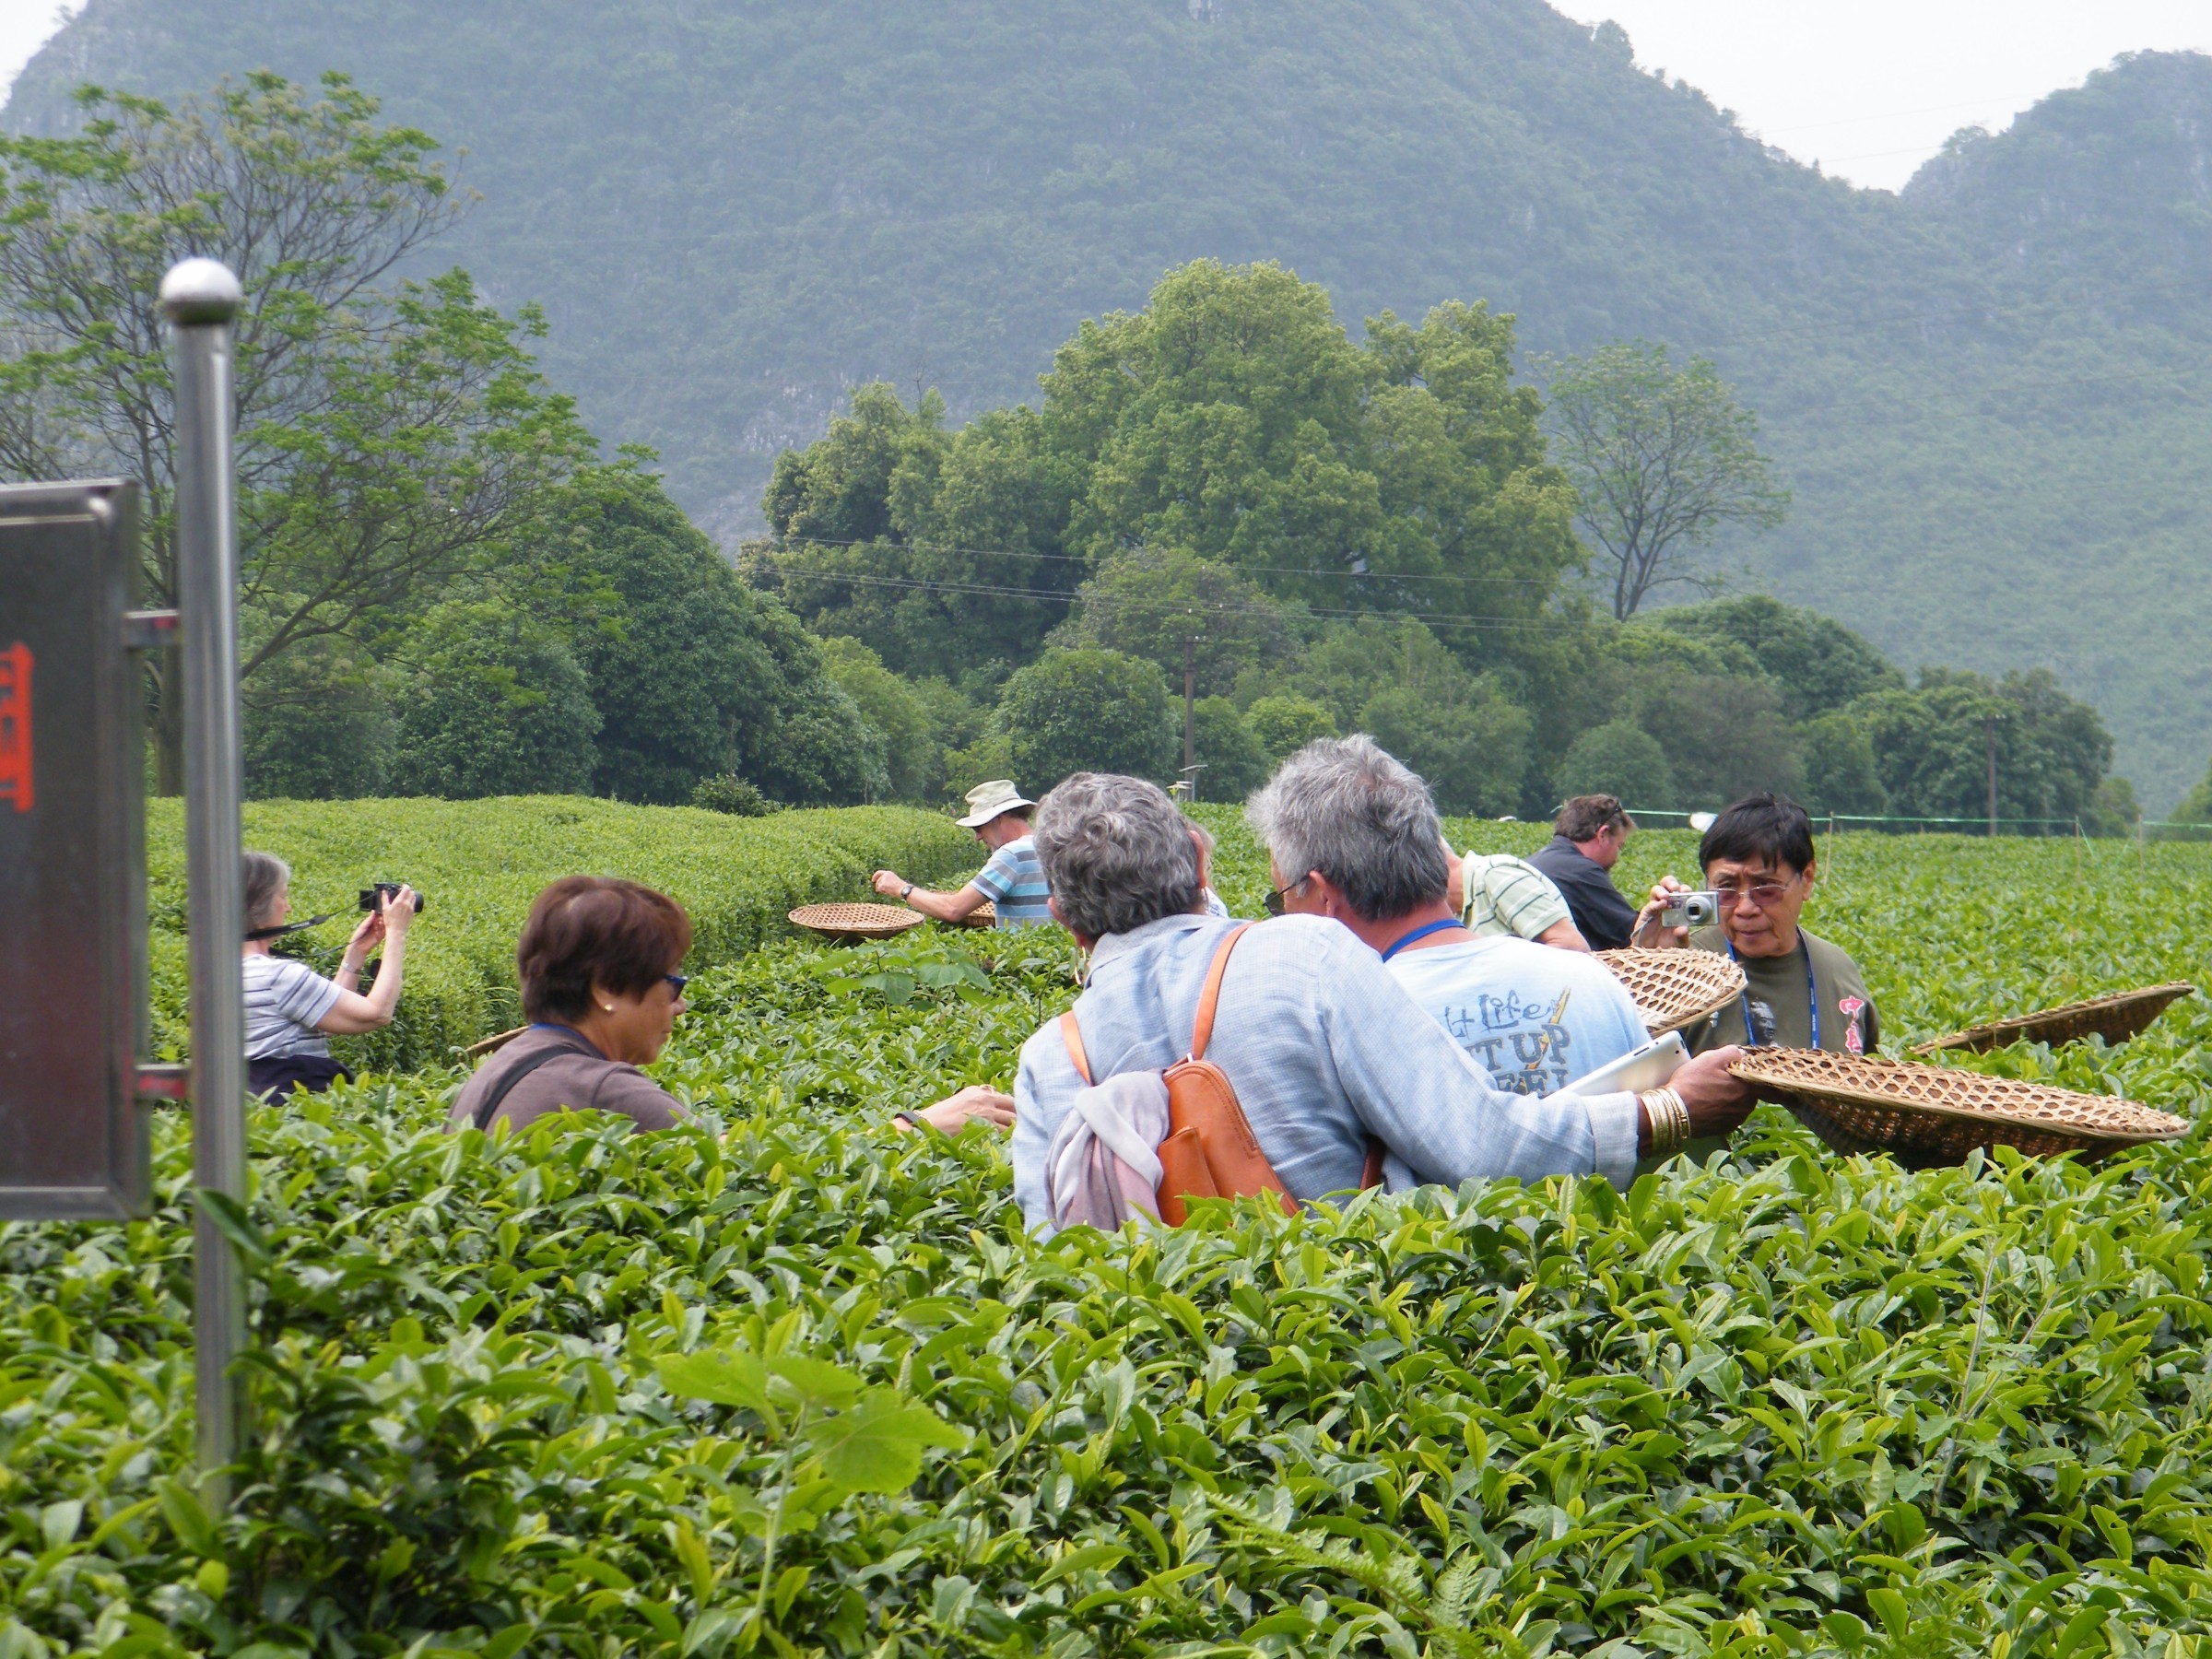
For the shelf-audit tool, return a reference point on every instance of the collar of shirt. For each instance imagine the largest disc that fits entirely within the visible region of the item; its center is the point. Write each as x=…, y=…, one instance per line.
x=1115, y=945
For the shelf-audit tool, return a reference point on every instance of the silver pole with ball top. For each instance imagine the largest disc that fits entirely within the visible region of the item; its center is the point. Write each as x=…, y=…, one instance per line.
x=201, y=298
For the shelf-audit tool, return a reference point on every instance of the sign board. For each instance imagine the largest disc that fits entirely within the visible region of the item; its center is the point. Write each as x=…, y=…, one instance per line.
x=73, y=1131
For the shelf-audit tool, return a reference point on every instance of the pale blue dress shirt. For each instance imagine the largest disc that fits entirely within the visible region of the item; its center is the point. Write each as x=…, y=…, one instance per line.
x=1324, y=1048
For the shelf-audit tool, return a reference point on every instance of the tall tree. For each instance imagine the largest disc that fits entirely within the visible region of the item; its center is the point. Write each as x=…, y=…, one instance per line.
x=1662, y=458
x=385, y=428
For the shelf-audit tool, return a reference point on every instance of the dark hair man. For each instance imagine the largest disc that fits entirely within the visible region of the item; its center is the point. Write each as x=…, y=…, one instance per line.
x=1364, y=825
x=1803, y=993
x=1011, y=882
x=1323, y=1048
x=1588, y=836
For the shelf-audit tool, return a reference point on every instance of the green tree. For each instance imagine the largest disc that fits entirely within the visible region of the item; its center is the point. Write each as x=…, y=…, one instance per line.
x=1285, y=724
x=1155, y=602
x=319, y=726
x=913, y=758
x=1235, y=761
x=1723, y=736
x=493, y=704
x=1841, y=774
x=695, y=675
x=1088, y=710
x=1817, y=665
x=1932, y=745
x=1618, y=758
x=387, y=429
x=1661, y=459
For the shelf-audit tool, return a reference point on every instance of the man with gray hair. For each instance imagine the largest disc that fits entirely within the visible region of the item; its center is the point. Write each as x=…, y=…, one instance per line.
x=1363, y=828
x=1325, y=1051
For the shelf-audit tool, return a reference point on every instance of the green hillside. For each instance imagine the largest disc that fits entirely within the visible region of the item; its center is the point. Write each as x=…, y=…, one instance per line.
x=1984, y=394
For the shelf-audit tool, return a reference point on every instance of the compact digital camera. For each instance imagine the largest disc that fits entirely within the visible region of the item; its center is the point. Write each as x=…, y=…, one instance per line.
x=1692, y=909
x=372, y=897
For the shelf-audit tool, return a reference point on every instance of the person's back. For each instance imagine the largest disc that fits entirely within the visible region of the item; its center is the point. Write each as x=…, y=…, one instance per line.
x=554, y=1069
x=1532, y=1018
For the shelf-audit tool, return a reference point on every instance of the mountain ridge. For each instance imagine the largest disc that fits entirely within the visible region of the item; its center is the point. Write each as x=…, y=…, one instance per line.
x=1976, y=387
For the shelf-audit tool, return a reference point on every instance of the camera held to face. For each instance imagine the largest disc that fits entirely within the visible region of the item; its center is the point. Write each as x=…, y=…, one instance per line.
x=372, y=897
x=1692, y=909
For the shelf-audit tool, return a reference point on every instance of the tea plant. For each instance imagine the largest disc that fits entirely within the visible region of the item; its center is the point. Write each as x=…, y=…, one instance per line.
x=785, y=1381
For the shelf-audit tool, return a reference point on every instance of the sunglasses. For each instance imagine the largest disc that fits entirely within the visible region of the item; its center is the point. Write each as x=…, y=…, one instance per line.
x=677, y=982
x=1273, y=904
x=1764, y=894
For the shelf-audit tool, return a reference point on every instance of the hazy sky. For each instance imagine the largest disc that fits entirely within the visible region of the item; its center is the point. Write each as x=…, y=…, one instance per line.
x=1870, y=88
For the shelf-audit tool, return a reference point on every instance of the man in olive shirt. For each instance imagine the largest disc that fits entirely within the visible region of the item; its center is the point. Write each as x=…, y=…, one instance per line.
x=1801, y=991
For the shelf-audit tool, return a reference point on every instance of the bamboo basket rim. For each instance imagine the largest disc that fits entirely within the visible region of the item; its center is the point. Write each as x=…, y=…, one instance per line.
x=2019, y=1027
x=2042, y=1108
x=1700, y=982
x=855, y=921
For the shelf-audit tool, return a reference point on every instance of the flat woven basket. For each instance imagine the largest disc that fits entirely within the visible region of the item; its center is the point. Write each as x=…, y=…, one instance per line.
x=1672, y=989
x=983, y=915
x=856, y=920
x=2116, y=1019
x=1934, y=1114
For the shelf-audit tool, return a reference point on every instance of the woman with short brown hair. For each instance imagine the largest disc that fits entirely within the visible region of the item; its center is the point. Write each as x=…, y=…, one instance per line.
x=598, y=961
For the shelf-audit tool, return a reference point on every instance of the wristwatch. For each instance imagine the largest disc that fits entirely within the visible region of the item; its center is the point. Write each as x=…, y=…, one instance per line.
x=906, y=893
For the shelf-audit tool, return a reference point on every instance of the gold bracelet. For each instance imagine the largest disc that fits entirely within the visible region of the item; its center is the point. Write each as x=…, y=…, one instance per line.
x=1669, y=1118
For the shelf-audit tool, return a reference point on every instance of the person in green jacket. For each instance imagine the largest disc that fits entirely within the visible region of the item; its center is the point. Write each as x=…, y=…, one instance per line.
x=1801, y=992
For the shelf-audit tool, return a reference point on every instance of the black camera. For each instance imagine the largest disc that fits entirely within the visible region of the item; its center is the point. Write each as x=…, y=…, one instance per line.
x=372, y=897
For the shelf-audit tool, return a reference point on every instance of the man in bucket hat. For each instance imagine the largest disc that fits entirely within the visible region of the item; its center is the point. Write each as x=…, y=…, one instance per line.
x=1012, y=882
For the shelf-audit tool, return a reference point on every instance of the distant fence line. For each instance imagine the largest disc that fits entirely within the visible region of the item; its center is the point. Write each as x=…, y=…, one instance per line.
x=2069, y=827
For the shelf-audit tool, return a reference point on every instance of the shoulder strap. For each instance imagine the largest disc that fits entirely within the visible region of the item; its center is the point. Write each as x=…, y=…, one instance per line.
x=1201, y=1029
x=499, y=1092
x=1072, y=1034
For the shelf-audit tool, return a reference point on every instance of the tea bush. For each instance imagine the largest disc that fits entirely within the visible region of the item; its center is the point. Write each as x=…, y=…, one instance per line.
x=786, y=1381
x=482, y=862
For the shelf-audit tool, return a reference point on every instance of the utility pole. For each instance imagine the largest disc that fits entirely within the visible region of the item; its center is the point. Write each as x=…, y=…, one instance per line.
x=1989, y=724
x=1190, y=705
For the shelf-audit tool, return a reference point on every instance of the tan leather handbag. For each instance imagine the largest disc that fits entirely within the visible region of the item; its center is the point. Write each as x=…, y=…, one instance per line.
x=1210, y=1151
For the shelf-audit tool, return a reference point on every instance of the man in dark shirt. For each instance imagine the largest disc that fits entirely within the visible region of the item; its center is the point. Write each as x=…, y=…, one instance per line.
x=1801, y=991
x=1591, y=832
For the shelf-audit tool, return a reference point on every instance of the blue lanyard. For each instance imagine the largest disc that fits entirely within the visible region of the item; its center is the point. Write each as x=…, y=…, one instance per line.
x=1420, y=932
x=1812, y=995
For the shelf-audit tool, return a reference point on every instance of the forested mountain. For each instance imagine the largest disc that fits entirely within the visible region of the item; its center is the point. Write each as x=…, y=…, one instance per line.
x=1986, y=394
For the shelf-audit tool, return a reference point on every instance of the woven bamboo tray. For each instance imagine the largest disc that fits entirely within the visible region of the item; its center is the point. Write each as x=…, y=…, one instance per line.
x=983, y=915
x=856, y=920
x=2116, y=1019
x=1932, y=1114
x=1673, y=989
x=492, y=1045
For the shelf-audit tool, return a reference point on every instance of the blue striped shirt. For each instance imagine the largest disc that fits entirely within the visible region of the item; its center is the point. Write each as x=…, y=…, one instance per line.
x=1014, y=882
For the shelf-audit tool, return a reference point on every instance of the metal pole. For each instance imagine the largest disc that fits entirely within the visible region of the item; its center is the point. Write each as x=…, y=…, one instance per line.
x=1990, y=723
x=1190, y=692
x=201, y=298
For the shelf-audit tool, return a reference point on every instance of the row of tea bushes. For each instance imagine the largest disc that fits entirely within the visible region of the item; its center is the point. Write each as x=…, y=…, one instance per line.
x=788, y=1382
x=482, y=862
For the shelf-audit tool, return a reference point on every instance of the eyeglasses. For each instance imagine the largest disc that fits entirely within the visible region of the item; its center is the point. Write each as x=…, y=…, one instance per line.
x=1764, y=894
x=1273, y=904
x=677, y=982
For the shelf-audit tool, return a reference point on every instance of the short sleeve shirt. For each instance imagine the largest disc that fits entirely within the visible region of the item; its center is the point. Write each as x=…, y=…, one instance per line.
x=1014, y=882
x=285, y=999
x=1508, y=897
x=1531, y=1019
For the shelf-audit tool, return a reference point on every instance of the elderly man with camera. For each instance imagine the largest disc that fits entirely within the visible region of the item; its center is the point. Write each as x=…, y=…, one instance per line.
x=1801, y=991
x=1332, y=1063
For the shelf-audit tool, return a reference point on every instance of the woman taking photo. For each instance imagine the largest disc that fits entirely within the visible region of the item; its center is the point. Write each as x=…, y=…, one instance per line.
x=291, y=1010
x=598, y=961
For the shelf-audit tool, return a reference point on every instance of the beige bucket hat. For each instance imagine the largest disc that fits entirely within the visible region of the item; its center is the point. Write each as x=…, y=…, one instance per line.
x=987, y=801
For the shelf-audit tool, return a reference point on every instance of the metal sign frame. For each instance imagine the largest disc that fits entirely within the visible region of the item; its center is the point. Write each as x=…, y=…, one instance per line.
x=74, y=1131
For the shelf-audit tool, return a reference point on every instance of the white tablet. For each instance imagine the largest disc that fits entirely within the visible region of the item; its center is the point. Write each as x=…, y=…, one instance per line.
x=1646, y=1067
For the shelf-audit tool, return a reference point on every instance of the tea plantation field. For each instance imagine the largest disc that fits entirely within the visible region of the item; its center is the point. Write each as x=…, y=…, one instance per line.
x=787, y=1382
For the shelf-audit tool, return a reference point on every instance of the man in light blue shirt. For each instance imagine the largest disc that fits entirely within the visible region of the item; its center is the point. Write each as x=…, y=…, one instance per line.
x=1323, y=1048
x=1011, y=880
x=1363, y=826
